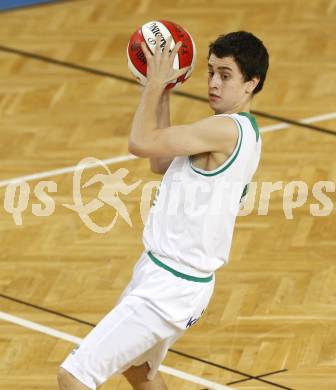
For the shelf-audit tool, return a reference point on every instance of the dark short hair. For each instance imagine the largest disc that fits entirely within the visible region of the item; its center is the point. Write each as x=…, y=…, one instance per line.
x=247, y=50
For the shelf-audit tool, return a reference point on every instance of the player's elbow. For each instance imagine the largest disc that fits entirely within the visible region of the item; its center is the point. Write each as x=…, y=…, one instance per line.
x=143, y=148
x=137, y=149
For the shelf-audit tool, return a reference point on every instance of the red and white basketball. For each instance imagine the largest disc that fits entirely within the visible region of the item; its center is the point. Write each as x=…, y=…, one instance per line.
x=147, y=33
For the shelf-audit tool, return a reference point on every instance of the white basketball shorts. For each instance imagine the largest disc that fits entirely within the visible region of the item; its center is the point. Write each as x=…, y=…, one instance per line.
x=153, y=311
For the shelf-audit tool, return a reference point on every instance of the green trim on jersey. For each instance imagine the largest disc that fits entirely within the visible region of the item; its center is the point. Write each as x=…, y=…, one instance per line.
x=228, y=162
x=156, y=196
x=245, y=191
x=253, y=122
x=178, y=274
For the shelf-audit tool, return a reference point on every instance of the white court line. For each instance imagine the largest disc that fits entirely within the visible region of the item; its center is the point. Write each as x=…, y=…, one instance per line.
x=61, y=171
x=312, y=119
x=114, y=160
x=39, y=328
x=76, y=340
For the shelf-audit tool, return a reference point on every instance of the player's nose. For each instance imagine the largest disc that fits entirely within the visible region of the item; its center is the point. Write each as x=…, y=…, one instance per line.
x=214, y=81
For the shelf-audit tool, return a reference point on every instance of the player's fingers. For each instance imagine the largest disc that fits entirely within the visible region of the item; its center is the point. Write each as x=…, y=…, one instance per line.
x=157, y=52
x=146, y=52
x=181, y=72
x=174, y=51
x=166, y=49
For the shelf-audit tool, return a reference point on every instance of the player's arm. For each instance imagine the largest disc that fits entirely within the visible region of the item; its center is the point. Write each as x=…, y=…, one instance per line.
x=212, y=134
x=161, y=164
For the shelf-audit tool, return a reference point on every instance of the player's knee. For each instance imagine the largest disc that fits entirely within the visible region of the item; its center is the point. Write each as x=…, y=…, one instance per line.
x=61, y=378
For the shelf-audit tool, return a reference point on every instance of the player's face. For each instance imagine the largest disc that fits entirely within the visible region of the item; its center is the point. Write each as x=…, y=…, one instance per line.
x=227, y=90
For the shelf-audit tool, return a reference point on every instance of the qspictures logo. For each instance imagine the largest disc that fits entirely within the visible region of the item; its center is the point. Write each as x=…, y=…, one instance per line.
x=292, y=195
x=112, y=185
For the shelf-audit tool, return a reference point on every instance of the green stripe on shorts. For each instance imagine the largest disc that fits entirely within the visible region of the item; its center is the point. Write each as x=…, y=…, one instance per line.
x=179, y=274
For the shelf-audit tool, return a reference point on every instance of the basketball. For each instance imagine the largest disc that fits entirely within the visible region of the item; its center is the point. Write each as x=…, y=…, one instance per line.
x=147, y=33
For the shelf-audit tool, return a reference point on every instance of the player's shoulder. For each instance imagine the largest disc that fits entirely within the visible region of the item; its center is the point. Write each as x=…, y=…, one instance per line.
x=225, y=125
x=222, y=122
x=219, y=132
x=244, y=121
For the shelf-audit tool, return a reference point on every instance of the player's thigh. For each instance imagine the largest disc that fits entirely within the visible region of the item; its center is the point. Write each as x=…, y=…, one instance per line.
x=67, y=381
x=122, y=338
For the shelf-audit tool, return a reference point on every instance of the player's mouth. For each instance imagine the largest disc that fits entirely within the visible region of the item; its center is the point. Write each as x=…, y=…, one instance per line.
x=213, y=97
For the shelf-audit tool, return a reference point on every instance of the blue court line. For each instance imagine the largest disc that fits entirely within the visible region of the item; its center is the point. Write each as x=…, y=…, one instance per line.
x=8, y=4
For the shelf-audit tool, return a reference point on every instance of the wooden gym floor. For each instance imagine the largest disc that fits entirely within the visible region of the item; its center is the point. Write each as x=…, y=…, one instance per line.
x=65, y=95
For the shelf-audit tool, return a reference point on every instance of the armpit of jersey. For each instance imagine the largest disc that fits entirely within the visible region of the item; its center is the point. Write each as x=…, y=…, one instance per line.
x=227, y=163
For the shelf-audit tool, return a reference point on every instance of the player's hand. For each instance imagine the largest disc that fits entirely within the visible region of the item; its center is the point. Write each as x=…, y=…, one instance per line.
x=160, y=65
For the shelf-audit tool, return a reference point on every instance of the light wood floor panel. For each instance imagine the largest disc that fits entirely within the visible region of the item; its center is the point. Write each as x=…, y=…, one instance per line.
x=299, y=34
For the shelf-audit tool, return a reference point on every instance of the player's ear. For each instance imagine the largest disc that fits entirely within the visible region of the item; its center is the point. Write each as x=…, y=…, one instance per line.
x=252, y=84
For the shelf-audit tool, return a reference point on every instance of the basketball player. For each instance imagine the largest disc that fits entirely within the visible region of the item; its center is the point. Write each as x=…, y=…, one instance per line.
x=185, y=239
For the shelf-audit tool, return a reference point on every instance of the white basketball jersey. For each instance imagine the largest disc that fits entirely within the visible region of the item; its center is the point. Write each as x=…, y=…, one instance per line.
x=191, y=221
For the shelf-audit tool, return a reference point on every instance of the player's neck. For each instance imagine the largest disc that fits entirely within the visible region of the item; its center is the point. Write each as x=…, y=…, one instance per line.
x=240, y=107
x=244, y=107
